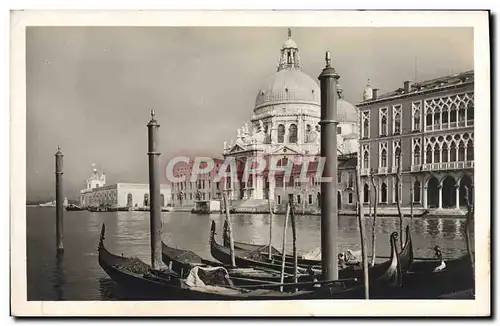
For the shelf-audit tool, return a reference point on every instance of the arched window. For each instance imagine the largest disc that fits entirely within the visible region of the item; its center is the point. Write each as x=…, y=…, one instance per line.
x=453, y=152
x=437, y=118
x=461, y=151
x=292, y=134
x=470, y=150
x=416, y=155
x=365, y=159
x=308, y=131
x=461, y=114
x=428, y=118
x=366, y=193
x=453, y=115
x=281, y=134
x=366, y=127
x=444, y=153
x=397, y=156
x=428, y=154
x=383, y=158
x=436, y=153
x=383, y=193
x=416, y=192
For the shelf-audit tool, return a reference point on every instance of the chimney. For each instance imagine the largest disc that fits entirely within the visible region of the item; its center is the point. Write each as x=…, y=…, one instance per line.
x=407, y=86
x=375, y=94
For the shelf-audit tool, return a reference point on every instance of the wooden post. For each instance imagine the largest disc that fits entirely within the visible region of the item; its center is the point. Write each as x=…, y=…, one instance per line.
x=284, y=247
x=362, y=229
x=294, y=240
x=329, y=210
x=155, y=224
x=467, y=229
x=270, y=227
x=230, y=227
x=374, y=225
x=398, y=203
x=59, y=201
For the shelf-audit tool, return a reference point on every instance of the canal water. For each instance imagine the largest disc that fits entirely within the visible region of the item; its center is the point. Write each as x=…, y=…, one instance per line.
x=78, y=276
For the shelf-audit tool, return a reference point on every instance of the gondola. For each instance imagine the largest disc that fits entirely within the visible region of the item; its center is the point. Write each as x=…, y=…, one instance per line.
x=182, y=261
x=251, y=259
x=405, y=256
x=433, y=278
x=144, y=283
x=243, y=245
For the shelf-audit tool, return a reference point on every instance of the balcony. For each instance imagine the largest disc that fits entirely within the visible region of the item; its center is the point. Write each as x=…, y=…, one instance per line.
x=394, y=169
x=365, y=171
x=447, y=166
x=382, y=170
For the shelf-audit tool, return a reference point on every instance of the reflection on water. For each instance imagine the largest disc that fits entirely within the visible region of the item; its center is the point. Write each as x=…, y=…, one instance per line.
x=78, y=276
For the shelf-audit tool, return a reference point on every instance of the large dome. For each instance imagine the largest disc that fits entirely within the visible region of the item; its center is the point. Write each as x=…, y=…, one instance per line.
x=288, y=86
x=346, y=112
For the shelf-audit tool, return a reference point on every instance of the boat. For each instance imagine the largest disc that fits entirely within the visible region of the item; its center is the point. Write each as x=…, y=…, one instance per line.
x=405, y=256
x=143, y=282
x=73, y=207
x=182, y=261
x=434, y=278
x=48, y=204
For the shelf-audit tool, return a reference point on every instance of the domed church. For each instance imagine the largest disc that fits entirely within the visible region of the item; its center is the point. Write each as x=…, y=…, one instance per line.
x=285, y=125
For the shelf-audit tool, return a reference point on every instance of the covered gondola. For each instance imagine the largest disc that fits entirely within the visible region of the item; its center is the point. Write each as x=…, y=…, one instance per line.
x=182, y=261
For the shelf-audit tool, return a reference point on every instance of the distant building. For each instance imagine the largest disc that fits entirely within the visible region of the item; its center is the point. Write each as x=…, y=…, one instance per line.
x=120, y=195
x=431, y=124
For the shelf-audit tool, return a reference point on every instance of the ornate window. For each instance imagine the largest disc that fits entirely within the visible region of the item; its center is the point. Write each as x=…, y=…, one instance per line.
x=396, y=119
x=446, y=111
x=416, y=191
x=292, y=134
x=366, y=156
x=416, y=110
x=461, y=152
x=383, y=154
x=437, y=153
x=396, y=152
x=470, y=150
x=383, y=121
x=366, y=193
x=383, y=193
x=416, y=151
x=308, y=131
x=365, y=124
x=428, y=154
x=281, y=133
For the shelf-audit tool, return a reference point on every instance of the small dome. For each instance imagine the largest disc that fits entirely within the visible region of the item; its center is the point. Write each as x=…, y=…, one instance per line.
x=346, y=112
x=289, y=44
x=288, y=86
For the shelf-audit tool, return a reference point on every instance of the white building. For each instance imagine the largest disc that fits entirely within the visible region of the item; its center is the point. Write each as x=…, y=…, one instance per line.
x=285, y=125
x=98, y=194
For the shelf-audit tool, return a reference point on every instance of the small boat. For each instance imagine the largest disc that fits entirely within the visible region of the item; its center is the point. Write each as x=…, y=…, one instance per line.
x=143, y=282
x=48, y=204
x=73, y=207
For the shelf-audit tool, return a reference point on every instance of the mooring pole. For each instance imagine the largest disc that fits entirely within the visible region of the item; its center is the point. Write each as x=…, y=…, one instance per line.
x=329, y=214
x=154, y=193
x=59, y=201
x=270, y=227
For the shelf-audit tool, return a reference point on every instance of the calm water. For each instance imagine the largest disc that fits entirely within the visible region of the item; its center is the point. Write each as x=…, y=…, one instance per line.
x=78, y=276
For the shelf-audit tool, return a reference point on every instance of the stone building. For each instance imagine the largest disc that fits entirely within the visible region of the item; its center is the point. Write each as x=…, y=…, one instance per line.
x=431, y=124
x=119, y=195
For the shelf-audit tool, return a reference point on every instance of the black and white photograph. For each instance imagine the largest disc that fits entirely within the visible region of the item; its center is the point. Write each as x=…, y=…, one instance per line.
x=331, y=158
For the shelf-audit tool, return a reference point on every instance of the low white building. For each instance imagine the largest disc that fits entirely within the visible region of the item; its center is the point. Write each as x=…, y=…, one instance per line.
x=98, y=194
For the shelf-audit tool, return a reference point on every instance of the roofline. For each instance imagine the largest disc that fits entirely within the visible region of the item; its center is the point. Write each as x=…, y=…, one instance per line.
x=405, y=95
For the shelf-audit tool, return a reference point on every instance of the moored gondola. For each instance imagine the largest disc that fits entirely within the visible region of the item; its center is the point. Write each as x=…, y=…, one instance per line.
x=182, y=261
x=142, y=282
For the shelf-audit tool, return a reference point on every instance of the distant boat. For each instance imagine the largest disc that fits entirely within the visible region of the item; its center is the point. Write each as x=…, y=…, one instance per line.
x=48, y=204
x=73, y=207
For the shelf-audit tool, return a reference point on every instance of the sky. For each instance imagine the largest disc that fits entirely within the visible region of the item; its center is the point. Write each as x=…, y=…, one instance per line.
x=90, y=89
